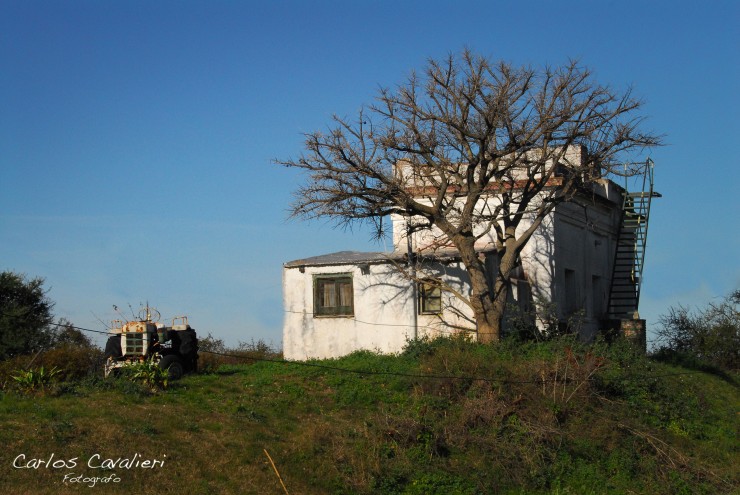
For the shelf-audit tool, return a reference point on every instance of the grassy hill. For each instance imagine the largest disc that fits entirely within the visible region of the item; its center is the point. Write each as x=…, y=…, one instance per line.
x=445, y=417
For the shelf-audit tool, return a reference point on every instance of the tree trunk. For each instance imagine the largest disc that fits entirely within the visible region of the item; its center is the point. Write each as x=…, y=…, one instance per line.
x=489, y=308
x=507, y=261
x=487, y=314
x=489, y=326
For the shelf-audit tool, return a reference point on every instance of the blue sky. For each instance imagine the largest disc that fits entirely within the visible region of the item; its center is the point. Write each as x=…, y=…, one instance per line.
x=136, y=137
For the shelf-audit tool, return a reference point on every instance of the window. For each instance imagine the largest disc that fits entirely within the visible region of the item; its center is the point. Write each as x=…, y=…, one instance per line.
x=333, y=295
x=597, y=295
x=571, y=292
x=430, y=297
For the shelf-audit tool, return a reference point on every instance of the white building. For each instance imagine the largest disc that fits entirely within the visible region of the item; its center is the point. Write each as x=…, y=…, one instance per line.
x=583, y=259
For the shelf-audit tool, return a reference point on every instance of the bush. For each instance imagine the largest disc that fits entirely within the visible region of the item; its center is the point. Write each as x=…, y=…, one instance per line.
x=25, y=314
x=427, y=346
x=64, y=334
x=73, y=362
x=214, y=353
x=710, y=335
x=35, y=380
x=148, y=373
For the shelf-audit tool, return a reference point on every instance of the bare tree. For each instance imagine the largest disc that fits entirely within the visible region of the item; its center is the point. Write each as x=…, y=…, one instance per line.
x=469, y=149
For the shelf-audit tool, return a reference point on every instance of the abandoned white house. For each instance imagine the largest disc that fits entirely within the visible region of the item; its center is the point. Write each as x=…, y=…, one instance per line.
x=585, y=258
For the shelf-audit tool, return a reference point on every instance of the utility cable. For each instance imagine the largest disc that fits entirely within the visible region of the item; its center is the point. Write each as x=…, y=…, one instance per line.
x=501, y=381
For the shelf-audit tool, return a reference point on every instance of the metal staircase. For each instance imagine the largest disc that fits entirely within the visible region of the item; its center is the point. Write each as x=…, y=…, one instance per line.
x=629, y=259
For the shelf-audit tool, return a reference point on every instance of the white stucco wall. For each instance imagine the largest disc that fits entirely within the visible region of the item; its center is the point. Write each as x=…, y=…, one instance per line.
x=383, y=317
x=576, y=241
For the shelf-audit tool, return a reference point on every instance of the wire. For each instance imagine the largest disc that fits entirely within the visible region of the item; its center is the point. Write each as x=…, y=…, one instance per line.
x=436, y=329
x=428, y=327
x=400, y=325
x=394, y=373
x=69, y=325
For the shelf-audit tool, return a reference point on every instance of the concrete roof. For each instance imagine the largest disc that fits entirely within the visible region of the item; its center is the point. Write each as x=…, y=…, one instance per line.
x=357, y=257
x=344, y=258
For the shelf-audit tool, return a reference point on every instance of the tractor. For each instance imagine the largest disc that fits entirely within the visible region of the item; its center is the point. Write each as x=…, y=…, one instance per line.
x=174, y=348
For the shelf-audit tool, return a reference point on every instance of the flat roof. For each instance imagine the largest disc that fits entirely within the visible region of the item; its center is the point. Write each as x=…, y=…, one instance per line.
x=357, y=257
x=344, y=258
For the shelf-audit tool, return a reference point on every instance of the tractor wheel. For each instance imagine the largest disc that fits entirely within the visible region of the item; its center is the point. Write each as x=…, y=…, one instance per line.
x=173, y=364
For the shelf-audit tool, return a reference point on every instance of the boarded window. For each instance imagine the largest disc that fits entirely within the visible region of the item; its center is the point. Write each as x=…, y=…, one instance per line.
x=430, y=297
x=333, y=295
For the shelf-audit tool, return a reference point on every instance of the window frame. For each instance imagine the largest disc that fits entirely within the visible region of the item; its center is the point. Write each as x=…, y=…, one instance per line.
x=429, y=291
x=337, y=280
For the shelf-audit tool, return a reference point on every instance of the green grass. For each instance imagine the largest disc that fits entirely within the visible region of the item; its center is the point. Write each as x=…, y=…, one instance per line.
x=553, y=418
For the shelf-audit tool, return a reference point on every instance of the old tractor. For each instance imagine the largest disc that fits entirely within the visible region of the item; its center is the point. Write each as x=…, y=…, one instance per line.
x=174, y=348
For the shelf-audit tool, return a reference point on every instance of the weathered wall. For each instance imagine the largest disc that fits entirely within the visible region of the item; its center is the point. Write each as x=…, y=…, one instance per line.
x=383, y=317
x=585, y=241
x=567, y=262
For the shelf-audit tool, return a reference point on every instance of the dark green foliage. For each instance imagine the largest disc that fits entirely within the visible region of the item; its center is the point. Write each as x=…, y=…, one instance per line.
x=439, y=484
x=418, y=347
x=25, y=315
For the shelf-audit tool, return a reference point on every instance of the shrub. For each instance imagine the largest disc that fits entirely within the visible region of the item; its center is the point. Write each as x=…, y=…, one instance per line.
x=540, y=323
x=711, y=334
x=34, y=380
x=73, y=362
x=214, y=353
x=147, y=372
x=25, y=315
x=64, y=334
x=427, y=346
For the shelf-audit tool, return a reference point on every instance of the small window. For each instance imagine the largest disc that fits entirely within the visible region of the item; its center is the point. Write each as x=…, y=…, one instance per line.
x=597, y=297
x=430, y=297
x=333, y=295
x=571, y=292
